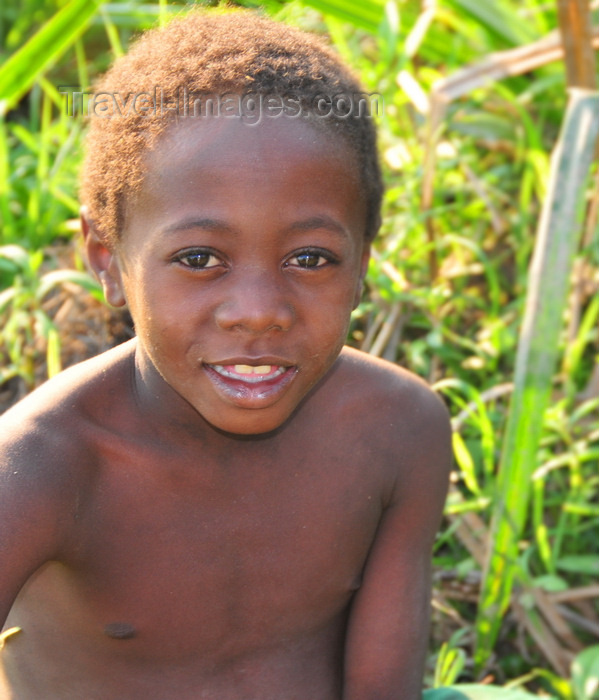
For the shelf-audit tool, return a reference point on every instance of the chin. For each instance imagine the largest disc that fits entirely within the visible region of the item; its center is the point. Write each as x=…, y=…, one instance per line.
x=250, y=426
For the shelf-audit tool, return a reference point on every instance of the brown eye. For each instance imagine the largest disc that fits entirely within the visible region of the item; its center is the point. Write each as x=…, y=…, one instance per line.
x=198, y=259
x=309, y=260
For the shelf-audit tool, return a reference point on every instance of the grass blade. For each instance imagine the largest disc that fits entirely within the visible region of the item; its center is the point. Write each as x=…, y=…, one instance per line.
x=366, y=14
x=56, y=35
x=497, y=18
x=537, y=356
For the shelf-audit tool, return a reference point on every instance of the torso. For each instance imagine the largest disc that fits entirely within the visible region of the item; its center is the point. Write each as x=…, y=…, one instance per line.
x=217, y=569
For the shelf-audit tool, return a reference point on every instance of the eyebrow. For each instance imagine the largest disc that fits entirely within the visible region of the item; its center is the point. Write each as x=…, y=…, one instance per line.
x=322, y=221
x=205, y=223
x=309, y=224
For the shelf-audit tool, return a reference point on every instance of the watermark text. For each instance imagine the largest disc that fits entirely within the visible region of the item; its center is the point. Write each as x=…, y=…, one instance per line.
x=251, y=107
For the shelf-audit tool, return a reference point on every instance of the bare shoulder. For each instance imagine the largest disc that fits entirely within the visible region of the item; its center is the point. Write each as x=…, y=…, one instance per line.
x=52, y=419
x=45, y=438
x=45, y=458
x=402, y=416
x=389, y=394
x=380, y=372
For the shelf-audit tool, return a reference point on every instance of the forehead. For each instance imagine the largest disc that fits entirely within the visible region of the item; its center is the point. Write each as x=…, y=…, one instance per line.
x=224, y=138
x=283, y=166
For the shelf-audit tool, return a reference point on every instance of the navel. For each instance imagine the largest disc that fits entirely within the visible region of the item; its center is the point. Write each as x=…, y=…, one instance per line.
x=120, y=630
x=356, y=583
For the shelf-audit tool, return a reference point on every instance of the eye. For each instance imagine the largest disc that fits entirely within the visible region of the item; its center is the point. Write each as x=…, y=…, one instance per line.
x=198, y=259
x=310, y=259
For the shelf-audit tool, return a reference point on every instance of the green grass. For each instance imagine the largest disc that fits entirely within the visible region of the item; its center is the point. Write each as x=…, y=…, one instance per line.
x=450, y=292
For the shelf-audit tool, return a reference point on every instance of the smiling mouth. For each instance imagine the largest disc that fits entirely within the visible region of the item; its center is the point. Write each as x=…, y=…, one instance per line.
x=251, y=386
x=248, y=373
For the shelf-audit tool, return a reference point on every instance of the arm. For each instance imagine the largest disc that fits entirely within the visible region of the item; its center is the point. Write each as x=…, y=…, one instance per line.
x=31, y=494
x=388, y=626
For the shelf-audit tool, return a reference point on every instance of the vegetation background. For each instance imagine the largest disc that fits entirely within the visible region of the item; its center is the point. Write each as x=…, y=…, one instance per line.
x=484, y=280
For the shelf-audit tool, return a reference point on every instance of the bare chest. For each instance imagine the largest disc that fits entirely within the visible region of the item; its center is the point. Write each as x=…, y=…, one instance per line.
x=178, y=560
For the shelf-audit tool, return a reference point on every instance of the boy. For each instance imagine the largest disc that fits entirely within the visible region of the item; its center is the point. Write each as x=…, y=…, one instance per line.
x=233, y=505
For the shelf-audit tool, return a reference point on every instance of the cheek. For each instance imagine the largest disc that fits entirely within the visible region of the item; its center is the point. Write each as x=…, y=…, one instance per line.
x=153, y=296
x=154, y=316
x=328, y=318
x=337, y=302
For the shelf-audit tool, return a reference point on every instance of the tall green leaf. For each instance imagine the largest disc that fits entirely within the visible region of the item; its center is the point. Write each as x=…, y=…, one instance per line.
x=366, y=14
x=498, y=18
x=54, y=37
x=557, y=239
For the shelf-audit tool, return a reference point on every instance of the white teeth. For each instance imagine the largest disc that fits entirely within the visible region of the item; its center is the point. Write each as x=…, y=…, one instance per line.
x=250, y=374
x=248, y=369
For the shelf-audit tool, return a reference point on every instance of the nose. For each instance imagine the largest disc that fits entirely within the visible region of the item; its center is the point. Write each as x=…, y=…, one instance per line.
x=255, y=303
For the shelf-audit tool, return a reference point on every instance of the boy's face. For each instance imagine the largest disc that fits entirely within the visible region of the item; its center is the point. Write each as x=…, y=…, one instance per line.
x=241, y=260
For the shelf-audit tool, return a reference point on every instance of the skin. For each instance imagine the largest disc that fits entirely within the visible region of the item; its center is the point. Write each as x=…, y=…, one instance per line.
x=169, y=532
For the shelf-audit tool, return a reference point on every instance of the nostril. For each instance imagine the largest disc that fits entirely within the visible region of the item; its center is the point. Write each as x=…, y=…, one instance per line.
x=255, y=317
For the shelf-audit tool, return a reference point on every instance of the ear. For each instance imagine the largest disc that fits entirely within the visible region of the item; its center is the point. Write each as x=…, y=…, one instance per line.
x=363, y=270
x=103, y=261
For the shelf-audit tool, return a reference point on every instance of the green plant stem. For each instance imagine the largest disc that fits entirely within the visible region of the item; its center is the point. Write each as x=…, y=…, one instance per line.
x=557, y=239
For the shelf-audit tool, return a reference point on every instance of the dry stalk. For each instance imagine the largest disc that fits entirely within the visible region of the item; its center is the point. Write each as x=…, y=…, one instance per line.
x=496, y=66
x=559, y=658
x=372, y=330
x=576, y=31
x=471, y=531
x=387, y=329
x=552, y=615
x=579, y=620
x=573, y=594
x=443, y=606
x=495, y=392
x=504, y=64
